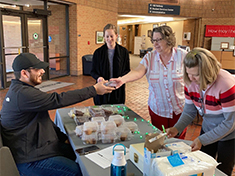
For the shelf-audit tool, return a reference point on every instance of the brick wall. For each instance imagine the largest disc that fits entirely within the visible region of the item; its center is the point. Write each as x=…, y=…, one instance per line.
x=87, y=17
x=205, y=12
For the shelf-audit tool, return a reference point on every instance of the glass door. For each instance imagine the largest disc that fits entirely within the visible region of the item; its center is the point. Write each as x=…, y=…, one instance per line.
x=36, y=42
x=12, y=45
x=21, y=33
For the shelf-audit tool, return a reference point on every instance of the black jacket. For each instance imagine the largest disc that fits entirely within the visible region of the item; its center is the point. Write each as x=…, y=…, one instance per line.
x=26, y=125
x=100, y=68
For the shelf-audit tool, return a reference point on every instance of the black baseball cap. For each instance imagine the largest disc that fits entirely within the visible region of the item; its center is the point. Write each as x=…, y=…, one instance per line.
x=26, y=60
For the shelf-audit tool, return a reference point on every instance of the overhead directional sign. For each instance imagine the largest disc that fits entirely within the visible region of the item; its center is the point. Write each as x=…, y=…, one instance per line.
x=164, y=9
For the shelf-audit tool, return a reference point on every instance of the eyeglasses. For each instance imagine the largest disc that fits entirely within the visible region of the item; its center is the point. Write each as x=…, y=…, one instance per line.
x=156, y=40
x=201, y=108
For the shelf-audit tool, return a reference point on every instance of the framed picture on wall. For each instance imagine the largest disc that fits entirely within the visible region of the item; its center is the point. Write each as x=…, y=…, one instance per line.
x=149, y=33
x=224, y=45
x=99, y=37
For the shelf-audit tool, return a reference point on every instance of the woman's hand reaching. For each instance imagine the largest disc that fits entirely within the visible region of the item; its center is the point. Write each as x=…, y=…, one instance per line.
x=118, y=82
x=171, y=132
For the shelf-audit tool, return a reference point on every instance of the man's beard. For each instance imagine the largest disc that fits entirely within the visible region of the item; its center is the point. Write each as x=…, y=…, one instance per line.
x=35, y=81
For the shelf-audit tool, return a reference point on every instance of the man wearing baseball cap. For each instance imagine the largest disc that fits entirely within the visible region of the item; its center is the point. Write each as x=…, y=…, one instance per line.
x=37, y=144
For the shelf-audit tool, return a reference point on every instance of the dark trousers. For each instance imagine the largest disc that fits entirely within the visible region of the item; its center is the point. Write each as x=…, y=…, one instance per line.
x=225, y=153
x=158, y=121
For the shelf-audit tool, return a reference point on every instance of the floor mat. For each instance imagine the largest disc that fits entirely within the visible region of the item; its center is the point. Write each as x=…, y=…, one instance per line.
x=52, y=85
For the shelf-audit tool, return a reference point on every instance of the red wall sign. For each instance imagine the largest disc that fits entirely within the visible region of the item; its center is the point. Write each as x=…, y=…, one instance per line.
x=220, y=31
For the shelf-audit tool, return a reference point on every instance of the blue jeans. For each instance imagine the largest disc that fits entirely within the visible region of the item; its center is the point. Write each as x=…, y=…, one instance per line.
x=54, y=166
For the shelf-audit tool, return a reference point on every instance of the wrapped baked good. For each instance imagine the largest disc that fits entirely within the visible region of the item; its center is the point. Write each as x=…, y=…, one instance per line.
x=109, y=110
x=80, y=114
x=118, y=119
x=132, y=126
x=80, y=120
x=96, y=111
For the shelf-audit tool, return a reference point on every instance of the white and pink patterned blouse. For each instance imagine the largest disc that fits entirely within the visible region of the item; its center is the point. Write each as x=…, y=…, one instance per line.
x=166, y=85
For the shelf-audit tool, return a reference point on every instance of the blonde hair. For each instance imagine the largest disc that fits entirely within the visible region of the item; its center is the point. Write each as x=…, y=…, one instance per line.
x=207, y=63
x=110, y=26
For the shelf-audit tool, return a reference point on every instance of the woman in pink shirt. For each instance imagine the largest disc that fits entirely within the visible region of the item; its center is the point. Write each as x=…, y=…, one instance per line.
x=164, y=71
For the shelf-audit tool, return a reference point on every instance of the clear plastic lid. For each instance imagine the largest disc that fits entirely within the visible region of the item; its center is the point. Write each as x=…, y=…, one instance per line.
x=81, y=111
x=107, y=127
x=109, y=137
x=90, y=127
x=118, y=119
x=80, y=120
x=109, y=110
x=89, y=139
x=124, y=133
x=132, y=126
x=79, y=130
x=98, y=120
x=96, y=111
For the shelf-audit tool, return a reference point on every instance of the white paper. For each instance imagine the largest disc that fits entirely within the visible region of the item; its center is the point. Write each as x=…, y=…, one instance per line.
x=104, y=157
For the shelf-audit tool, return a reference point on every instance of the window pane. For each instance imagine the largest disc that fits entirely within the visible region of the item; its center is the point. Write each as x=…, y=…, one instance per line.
x=12, y=31
x=58, y=67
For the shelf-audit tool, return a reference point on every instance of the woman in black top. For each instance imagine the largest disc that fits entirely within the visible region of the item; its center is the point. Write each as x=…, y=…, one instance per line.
x=110, y=61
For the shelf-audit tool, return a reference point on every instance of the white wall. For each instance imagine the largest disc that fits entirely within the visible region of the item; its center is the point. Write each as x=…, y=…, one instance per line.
x=177, y=27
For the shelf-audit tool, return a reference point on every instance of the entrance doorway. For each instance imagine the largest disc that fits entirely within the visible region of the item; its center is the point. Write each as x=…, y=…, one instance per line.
x=22, y=32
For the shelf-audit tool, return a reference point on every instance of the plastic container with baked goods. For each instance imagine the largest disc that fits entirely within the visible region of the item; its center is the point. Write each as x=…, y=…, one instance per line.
x=79, y=130
x=109, y=137
x=124, y=133
x=81, y=111
x=96, y=111
x=90, y=127
x=98, y=120
x=80, y=120
x=132, y=126
x=108, y=127
x=90, y=139
x=118, y=119
x=80, y=114
x=109, y=110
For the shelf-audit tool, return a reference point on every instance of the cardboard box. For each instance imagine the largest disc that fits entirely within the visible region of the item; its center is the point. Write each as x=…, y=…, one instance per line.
x=137, y=153
x=149, y=157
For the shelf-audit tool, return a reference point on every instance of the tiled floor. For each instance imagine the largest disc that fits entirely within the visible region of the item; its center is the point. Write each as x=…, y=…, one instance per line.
x=136, y=97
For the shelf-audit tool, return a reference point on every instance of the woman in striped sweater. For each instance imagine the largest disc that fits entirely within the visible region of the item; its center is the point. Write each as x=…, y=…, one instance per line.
x=209, y=90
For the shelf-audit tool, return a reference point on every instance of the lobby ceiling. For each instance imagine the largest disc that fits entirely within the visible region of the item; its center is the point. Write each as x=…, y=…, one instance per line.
x=139, y=19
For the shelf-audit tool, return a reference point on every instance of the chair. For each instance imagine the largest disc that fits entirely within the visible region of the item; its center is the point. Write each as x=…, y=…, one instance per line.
x=149, y=49
x=87, y=64
x=7, y=163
